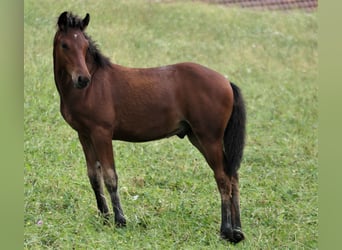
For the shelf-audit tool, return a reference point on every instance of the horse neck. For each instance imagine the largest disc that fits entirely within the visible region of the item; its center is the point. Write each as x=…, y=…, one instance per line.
x=92, y=67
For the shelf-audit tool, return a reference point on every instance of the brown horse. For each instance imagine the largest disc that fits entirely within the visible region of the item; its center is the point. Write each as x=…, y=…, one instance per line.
x=104, y=102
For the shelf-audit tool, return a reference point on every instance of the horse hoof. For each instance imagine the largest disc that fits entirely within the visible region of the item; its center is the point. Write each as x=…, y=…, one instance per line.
x=234, y=236
x=238, y=235
x=120, y=222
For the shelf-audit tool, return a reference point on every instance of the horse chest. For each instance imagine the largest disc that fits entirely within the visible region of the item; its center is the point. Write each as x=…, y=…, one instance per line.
x=69, y=117
x=85, y=118
x=77, y=119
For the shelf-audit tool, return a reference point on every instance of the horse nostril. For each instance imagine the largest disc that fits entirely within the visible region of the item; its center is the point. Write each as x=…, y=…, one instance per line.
x=82, y=81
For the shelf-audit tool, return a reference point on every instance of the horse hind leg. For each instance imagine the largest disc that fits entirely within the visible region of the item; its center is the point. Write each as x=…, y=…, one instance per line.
x=212, y=150
x=230, y=204
x=235, y=208
x=230, y=209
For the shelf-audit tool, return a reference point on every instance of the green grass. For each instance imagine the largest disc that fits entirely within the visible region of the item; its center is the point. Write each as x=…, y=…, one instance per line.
x=168, y=192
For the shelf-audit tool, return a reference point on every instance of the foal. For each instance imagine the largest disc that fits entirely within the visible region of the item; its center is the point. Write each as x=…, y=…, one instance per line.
x=103, y=101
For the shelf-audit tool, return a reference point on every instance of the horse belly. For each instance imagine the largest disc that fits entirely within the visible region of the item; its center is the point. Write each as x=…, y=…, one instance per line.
x=144, y=133
x=149, y=124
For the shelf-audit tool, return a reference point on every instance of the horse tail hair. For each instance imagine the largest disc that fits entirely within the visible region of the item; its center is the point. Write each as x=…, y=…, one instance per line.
x=235, y=133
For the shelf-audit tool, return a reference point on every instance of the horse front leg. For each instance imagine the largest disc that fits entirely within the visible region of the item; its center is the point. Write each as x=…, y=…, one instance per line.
x=94, y=174
x=104, y=150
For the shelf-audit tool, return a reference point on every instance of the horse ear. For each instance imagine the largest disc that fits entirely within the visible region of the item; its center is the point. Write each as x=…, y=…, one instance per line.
x=63, y=21
x=85, y=21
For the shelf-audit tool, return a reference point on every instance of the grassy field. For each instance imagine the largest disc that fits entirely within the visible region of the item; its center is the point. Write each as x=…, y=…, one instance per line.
x=168, y=192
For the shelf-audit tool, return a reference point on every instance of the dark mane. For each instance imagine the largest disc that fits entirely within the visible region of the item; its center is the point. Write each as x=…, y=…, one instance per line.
x=68, y=20
x=94, y=53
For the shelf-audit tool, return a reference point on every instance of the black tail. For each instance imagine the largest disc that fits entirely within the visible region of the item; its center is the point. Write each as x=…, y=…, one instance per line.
x=234, y=135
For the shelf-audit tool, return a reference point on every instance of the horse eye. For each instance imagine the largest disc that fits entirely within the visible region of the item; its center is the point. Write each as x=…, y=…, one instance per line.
x=65, y=46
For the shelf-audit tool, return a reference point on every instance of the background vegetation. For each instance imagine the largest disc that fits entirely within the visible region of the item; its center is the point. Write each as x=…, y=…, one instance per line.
x=168, y=193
